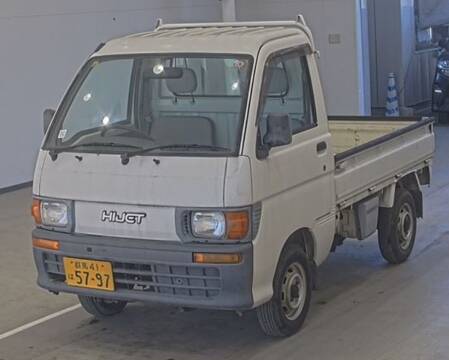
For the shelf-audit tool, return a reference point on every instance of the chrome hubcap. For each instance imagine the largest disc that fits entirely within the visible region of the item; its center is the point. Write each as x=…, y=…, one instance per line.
x=405, y=226
x=294, y=288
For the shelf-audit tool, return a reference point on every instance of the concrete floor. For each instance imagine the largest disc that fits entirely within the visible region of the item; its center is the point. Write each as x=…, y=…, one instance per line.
x=363, y=308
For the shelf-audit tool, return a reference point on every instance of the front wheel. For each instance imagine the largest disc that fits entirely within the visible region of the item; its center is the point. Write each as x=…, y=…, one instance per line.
x=397, y=228
x=101, y=308
x=285, y=313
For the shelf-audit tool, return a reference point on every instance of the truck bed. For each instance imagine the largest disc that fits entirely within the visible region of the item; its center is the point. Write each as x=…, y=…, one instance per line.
x=372, y=153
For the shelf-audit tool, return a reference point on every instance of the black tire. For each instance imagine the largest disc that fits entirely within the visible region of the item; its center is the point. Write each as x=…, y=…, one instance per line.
x=275, y=317
x=397, y=228
x=101, y=308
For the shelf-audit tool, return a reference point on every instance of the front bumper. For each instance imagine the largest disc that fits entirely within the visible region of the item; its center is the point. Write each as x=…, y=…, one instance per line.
x=152, y=271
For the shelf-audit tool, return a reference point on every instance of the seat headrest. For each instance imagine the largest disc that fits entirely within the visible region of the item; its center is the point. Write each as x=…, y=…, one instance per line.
x=185, y=85
x=278, y=82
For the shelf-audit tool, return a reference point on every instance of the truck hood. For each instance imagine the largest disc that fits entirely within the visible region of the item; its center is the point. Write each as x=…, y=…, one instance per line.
x=149, y=189
x=171, y=181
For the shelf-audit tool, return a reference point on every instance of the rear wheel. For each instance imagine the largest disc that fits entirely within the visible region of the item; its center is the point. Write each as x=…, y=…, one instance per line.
x=397, y=228
x=285, y=313
x=101, y=308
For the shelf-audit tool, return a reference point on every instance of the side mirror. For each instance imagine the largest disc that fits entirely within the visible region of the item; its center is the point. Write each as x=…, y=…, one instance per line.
x=48, y=117
x=279, y=133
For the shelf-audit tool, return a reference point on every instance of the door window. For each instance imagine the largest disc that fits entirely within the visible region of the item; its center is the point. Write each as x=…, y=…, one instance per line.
x=287, y=89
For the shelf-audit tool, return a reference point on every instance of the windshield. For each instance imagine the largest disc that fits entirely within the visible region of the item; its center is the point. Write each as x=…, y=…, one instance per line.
x=155, y=102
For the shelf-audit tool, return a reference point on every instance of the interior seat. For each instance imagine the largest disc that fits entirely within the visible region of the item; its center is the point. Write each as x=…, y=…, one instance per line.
x=174, y=129
x=183, y=129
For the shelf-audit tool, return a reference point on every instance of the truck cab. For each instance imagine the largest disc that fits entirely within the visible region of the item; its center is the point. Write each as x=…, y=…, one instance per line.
x=194, y=166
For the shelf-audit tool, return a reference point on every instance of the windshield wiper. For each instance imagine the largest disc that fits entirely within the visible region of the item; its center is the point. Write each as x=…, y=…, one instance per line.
x=178, y=146
x=59, y=149
x=126, y=156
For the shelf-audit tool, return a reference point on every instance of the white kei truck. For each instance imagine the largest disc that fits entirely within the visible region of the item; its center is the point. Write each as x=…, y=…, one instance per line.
x=195, y=166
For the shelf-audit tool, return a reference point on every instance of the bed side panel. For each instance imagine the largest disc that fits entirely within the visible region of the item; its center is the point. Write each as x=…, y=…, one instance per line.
x=369, y=170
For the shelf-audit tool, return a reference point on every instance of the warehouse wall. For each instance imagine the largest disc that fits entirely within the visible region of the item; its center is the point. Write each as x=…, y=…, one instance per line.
x=344, y=66
x=43, y=42
x=394, y=50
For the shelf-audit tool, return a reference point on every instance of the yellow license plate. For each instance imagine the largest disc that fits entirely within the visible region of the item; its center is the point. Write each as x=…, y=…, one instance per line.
x=90, y=274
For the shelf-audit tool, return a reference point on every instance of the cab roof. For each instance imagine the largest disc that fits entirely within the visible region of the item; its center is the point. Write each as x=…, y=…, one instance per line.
x=228, y=38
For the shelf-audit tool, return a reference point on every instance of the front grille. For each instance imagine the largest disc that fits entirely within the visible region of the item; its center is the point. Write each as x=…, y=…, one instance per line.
x=167, y=279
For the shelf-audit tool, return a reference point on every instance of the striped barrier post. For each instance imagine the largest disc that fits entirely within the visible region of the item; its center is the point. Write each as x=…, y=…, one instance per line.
x=392, y=97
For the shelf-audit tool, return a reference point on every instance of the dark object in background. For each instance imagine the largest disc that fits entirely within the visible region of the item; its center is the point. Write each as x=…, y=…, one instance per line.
x=440, y=93
x=444, y=44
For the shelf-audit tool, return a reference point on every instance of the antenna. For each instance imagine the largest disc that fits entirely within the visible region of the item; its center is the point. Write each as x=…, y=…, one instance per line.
x=159, y=23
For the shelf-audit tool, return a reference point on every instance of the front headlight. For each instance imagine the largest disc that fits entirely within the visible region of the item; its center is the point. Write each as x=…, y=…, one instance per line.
x=220, y=225
x=54, y=213
x=211, y=225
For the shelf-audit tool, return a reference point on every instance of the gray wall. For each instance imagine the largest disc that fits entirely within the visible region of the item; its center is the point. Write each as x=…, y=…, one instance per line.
x=433, y=12
x=344, y=66
x=43, y=42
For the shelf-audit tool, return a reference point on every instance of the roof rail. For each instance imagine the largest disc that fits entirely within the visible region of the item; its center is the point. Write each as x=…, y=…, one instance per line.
x=299, y=23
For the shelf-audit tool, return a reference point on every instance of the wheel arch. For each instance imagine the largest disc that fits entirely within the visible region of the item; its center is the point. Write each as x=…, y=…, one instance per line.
x=411, y=183
x=304, y=239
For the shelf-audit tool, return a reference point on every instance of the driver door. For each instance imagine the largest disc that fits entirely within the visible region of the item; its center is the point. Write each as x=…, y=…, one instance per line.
x=295, y=182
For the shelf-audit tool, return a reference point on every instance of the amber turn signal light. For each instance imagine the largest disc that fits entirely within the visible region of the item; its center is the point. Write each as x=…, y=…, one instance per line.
x=237, y=224
x=208, y=258
x=46, y=244
x=36, y=211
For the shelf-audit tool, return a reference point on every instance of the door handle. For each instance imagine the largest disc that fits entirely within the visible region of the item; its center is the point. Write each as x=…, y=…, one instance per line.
x=321, y=147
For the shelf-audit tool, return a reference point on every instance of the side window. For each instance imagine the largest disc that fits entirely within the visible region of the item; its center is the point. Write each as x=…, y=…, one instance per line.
x=288, y=90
